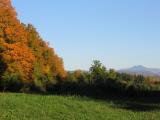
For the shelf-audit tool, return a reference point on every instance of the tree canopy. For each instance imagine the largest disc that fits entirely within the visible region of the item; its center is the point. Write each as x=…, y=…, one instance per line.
x=24, y=53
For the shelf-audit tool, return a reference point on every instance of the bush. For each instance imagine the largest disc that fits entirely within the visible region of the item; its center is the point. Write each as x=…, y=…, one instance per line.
x=11, y=82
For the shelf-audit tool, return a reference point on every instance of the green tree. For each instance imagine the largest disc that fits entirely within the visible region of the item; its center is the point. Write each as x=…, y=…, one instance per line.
x=98, y=72
x=112, y=74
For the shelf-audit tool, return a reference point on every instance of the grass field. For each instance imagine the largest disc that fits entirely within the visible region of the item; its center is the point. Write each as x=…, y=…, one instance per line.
x=52, y=107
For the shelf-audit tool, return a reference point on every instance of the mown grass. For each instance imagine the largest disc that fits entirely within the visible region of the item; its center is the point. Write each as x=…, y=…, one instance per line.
x=14, y=106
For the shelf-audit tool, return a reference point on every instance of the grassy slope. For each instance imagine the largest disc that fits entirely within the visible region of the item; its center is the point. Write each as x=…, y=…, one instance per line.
x=37, y=107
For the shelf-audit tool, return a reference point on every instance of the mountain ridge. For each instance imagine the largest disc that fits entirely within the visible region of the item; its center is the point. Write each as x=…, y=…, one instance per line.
x=141, y=70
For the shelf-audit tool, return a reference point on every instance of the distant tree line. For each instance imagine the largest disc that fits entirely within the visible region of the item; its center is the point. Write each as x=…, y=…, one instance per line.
x=99, y=80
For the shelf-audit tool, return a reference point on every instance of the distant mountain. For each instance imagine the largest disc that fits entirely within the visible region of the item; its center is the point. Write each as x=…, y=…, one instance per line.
x=141, y=70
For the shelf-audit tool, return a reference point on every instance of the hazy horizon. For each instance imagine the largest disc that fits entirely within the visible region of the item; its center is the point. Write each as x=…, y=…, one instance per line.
x=120, y=34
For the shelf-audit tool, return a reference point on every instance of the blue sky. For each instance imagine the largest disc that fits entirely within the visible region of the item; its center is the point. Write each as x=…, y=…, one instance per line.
x=120, y=33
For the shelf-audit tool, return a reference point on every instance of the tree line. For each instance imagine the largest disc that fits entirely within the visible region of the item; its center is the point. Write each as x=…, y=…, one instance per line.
x=101, y=78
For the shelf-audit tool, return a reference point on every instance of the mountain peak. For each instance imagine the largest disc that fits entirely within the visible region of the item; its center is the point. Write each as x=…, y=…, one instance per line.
x=140, y=69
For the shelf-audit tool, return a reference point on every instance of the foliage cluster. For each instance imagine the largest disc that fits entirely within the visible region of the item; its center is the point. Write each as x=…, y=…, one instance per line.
x=25, y=59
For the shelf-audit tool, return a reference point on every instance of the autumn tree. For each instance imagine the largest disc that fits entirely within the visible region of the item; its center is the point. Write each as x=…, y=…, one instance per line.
x=24, y=53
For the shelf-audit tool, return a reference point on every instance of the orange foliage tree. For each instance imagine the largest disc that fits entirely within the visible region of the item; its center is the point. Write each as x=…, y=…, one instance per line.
x=23, y=51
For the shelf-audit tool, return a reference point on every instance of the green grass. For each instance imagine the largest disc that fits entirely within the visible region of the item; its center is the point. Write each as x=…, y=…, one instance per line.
x=47, y=107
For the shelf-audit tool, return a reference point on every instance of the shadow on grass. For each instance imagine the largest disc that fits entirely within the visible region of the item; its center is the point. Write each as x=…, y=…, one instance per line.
x=137, y=102
x=137, y=107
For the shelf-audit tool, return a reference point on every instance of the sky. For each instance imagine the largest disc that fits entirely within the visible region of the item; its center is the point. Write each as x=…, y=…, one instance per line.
x=119, y=33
